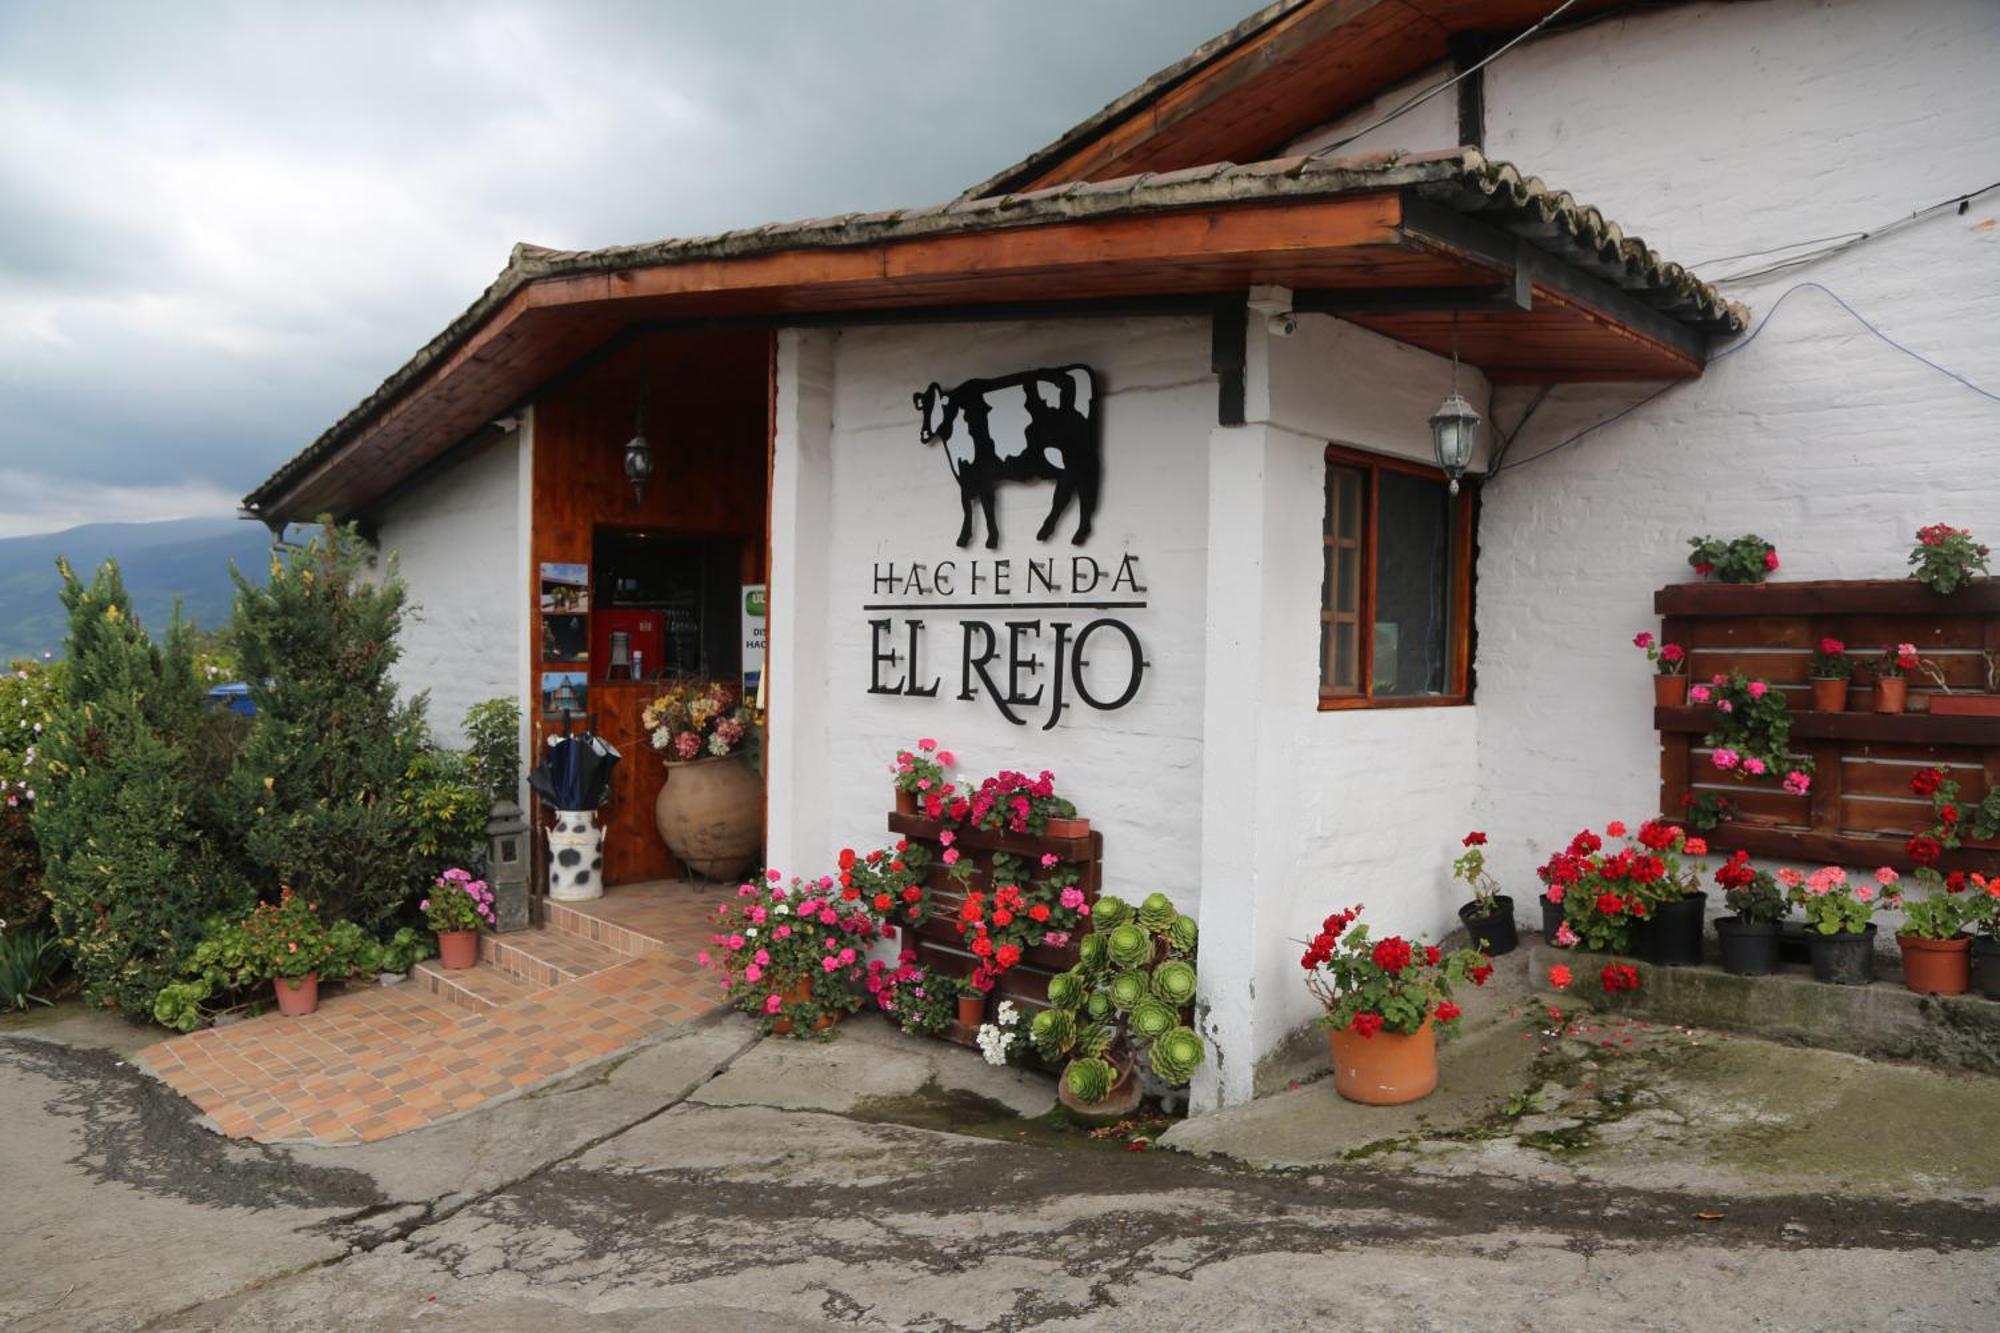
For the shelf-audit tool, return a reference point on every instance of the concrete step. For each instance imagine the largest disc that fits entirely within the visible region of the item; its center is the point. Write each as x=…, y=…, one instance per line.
x=546, y=957
x=479, y=988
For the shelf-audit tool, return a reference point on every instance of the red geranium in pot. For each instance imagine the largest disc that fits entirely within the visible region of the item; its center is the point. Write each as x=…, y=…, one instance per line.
x=458, y=903
x=286, y=942
x=1385, y=1001
x=1670, y=666
x=1829, y=672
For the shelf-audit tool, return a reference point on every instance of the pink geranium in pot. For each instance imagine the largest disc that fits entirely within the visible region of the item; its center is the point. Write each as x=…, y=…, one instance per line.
x=455, y=909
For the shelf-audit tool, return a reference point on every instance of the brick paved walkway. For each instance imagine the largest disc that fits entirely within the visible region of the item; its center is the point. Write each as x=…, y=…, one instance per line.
x=375, y=1061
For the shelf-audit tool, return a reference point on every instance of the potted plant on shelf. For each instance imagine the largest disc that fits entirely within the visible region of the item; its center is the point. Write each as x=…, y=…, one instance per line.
x=1749, y=939
x=1489, y=917
x=919, y=773
x=1945, y=558
x=1013, y=802
x=971, y=996
x=1745, y=559
x=1751, y=732
x=1830, y=671
x=1384, y=1002
x=1128, y=999
x=1950, y=703
x=1892, y=688
x=458, y=903
x=1670, y=666
x=1840, y=929
x=710, y=810
x=285, y=943
x=1983, y=915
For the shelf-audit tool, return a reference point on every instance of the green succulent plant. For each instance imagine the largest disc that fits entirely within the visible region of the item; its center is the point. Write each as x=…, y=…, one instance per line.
x=1109, y=912
x=1091, y=1042
x=1098, y=1008
x=1157, y=912
x=1150, y=1019
x=1067, y=989
x=1091, y=950
x=1128, y=988
x=1090, y=1080
x=1176, y=1054
x=1181, y=934
x=1128, y=946
x=1174, y=982
x=1053, y=1031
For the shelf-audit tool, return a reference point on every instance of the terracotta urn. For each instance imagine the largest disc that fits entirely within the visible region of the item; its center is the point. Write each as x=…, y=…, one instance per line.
x=458, y=949
x=710, y=813
x=1829, y=694
x=1387, y=1069
x=297, y=996
x=1670, y=691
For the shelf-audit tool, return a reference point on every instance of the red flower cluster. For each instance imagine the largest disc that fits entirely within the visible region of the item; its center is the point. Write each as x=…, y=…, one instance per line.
x=1657, y=835
x=1480, y=973
x=1328, y=939
x=1475, y=839
x=1924, y=849
x=1446, y=1011
x=1924, y=782
x=1736, y=873
x=1392, y=955
x=1955, y=882
x=1366, y=1024
x=1937, y=534
x=1619, y=977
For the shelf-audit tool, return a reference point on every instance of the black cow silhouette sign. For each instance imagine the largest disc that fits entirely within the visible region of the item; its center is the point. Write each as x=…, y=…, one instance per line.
x=1035, y=425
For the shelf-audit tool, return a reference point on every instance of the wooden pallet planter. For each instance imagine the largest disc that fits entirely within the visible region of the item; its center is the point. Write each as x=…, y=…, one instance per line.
x=1860, y=810
x=937, y=943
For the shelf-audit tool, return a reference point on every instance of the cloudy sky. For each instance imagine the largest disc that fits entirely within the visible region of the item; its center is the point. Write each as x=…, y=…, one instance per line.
x=222, y=224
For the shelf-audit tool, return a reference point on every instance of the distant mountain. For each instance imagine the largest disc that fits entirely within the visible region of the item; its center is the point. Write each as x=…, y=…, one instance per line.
x=184, y=558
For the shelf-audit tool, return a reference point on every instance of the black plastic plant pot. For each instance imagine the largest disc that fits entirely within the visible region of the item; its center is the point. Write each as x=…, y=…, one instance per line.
x=1673, y=935
x=1749, y=948
x=1843, y=960
x=1552, y=919
x=1492, y=931
x=1986, y=957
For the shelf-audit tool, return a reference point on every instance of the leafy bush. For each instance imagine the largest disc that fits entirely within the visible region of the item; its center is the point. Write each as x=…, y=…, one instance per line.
x=28, y=962
x=28, y=695
x=125, y=815
x=493, y=747
x=340, y=793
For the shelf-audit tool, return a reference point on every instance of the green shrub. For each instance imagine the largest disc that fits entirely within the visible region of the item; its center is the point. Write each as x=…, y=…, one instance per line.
x=28, y=963
x=135, y=852
x=29, y=693
x=493, y=747
x=340, y=793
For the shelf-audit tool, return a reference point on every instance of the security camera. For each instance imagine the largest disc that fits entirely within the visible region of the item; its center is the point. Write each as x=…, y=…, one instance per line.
x=1283, y=326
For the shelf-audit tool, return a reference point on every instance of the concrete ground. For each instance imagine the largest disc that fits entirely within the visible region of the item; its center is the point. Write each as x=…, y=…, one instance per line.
x=717, y=1182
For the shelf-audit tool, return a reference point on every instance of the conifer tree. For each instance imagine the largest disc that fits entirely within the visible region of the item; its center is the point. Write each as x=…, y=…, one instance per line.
x=326, y=791
x=126, y=815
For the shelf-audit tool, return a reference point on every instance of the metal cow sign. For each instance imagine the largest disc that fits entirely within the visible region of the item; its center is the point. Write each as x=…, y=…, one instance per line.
x=1035, y=425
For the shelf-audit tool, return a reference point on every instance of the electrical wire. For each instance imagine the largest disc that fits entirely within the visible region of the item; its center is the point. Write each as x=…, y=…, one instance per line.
x=1412, y=103
x=1833, y=245
x=1726, y=353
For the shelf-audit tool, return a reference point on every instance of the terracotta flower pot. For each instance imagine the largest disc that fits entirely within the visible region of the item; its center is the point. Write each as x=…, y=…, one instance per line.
x=1965, y=705
x=297, y=996
x=710, y=813
x=906, y=802
x=1387, y=1069
x=458, y=949
x=800, y=992
x=1065, y=826
x=972, y=1009
x=1121, y=1101
x=1829, y=694
x=1670, y=691
x=1937, y=967
x=1891, y=693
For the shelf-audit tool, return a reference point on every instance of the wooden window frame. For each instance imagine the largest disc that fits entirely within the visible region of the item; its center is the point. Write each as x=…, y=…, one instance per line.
x=1460, y=692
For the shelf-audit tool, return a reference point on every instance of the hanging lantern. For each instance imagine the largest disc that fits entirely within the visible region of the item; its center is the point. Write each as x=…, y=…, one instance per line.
x=638, y=464
x=1455, y=437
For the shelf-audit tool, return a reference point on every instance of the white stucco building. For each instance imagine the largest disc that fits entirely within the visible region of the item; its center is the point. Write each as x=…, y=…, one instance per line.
x=1284, y=751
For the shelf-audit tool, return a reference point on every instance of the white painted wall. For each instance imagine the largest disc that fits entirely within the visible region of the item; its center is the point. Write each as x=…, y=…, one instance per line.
x=1433, y=124
x=883, y=495
x=458, y=537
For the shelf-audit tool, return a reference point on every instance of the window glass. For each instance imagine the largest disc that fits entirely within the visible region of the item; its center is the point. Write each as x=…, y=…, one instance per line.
x=1340, y=666
x=1413, y=586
